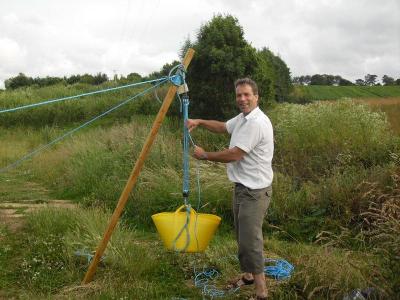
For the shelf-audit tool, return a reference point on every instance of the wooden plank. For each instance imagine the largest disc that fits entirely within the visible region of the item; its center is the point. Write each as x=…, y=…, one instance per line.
x=134, y=174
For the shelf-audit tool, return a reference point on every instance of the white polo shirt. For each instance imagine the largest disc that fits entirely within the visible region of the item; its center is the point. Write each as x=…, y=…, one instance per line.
x=254, y=135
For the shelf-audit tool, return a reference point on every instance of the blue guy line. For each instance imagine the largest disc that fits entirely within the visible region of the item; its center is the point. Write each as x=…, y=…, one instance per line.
x=41, y=148
x=163, y=79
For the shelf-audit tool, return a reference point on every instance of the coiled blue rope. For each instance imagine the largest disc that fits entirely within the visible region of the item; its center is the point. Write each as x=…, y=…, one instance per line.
x=43, y=147
x=281, y=270
x=202, y=279
x=173, y=79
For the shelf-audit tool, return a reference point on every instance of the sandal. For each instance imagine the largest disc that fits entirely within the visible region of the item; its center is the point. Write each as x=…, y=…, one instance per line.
x=236, y=283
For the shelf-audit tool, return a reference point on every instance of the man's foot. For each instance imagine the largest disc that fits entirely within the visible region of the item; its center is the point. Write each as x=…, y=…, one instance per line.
x=240, y=281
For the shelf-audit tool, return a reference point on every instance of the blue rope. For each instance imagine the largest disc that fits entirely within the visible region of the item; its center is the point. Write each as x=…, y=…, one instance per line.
x=202, y=279
x=186, y=179
x=172, y=79
x=89, y=256
x=185, y=228
x=43, y=147
x=281, y=270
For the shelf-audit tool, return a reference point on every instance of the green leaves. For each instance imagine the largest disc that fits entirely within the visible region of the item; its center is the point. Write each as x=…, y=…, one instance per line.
x=222, y=56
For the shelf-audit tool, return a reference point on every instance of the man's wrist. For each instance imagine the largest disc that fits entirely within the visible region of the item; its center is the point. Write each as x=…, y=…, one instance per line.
x=204, y=156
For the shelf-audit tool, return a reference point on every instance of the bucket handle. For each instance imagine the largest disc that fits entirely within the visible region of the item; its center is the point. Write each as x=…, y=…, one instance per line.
x=183, y=207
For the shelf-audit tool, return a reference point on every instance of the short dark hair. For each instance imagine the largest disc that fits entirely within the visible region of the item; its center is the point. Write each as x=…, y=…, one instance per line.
x=250, y=82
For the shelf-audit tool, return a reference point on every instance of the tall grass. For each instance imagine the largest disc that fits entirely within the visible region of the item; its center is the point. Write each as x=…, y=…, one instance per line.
x=75, y=110
x=390, y=106
x=324, y=153
x=314, y=140
x=137, y=267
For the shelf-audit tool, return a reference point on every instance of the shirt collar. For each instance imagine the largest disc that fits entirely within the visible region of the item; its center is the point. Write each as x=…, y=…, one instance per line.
x=252, y=114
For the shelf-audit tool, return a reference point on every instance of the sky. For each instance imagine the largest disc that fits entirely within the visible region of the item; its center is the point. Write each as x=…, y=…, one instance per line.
x=61, y=38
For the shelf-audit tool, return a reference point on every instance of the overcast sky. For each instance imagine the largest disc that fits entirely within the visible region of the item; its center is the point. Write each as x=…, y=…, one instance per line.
x=57, y=38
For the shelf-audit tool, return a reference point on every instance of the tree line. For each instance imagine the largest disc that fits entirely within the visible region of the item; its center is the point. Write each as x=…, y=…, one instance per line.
x=326, y=79
x=21, y=80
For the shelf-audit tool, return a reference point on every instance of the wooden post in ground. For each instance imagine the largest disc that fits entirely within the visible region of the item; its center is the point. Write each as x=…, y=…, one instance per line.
x=134, y=175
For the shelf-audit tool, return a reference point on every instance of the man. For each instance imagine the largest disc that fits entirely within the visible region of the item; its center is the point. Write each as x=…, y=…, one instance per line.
x=249, y=160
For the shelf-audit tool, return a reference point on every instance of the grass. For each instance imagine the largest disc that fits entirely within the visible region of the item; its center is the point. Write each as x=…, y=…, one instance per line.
x=72, y=111
x=325, y=153
x=137, y=267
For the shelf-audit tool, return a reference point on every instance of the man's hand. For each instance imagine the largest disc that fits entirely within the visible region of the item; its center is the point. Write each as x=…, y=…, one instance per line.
x=192, y=124
x=199, y=153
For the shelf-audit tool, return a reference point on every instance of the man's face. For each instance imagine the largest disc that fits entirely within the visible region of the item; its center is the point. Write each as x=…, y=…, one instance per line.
x=245, y=98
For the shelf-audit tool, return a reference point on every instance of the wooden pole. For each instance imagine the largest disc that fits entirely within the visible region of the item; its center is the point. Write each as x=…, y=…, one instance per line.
x=134, y=174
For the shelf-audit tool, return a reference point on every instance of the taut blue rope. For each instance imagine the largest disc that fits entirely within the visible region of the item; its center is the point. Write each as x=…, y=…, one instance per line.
x=173, y=79
x=186, y=180
x=43, y=147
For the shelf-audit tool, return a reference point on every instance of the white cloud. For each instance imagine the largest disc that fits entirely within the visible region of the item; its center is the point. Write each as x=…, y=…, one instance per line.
x=44, y=37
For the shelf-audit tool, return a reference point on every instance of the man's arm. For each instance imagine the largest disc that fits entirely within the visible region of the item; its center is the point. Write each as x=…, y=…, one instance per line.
x=224, y=156
x=211, y=125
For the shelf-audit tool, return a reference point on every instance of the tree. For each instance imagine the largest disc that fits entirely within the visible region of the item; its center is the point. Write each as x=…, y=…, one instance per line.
x=397, y=82
x=47, y=81
x=318, y=79
x=360, y=82
x=21, y=80
x=134, y=77
x=87, y=78
x=163, y=72
x=386, y=80
x=343, y=81
x=222, y=56
x=370, y=79
x=73, y=79
x=99, y=78
x=337, y=79
x=185, y=47
x=277, y=83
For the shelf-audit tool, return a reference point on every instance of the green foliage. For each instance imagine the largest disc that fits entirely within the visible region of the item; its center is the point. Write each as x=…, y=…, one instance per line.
x=222, y=56
x=273, y=76
x=21, y=80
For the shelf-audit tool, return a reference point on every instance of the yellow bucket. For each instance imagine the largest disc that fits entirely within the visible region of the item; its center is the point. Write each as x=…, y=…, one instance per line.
x=201, y=229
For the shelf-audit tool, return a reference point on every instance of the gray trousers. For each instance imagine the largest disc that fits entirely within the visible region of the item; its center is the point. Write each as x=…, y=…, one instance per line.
x=249, y=209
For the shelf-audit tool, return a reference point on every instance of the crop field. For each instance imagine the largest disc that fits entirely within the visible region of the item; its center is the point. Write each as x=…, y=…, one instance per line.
x=320, y=92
